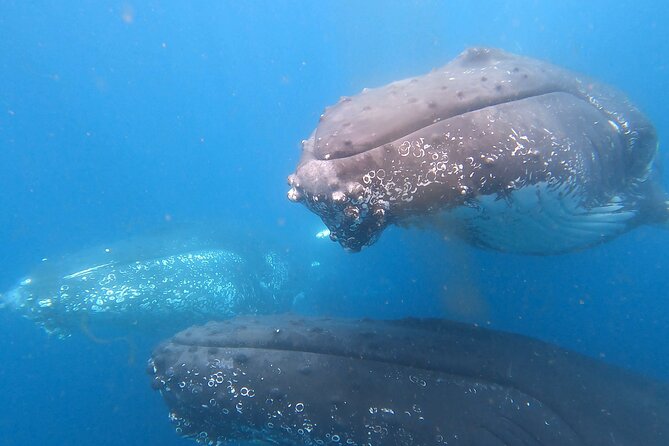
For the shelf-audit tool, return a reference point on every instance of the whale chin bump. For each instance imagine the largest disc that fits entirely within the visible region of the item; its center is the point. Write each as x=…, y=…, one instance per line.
x=295, y=380
x=438, y=148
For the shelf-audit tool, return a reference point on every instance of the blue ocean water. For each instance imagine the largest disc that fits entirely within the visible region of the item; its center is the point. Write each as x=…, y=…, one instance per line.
x=121, y=118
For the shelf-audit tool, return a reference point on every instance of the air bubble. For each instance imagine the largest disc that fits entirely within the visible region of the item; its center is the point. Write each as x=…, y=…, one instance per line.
x=299, y=407
x=245, y=391
x=405, y=148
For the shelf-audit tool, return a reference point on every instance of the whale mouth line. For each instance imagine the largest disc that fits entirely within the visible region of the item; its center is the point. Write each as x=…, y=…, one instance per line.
x=434, y=120
x=341, y=354
x=280, y=349
x=462, y=372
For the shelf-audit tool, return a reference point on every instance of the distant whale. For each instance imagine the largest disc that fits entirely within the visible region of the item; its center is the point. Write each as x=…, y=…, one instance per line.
x=150, y=282
x=508, y=152
x=291, y=381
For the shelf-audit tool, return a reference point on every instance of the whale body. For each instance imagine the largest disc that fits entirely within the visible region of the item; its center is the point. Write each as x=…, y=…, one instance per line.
x=150, y=282
x=508, y=152
x=298, y=381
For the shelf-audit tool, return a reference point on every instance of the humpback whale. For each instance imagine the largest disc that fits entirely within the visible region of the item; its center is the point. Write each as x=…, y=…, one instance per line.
x=288, y=380
x=508, y=152
x=150, y=282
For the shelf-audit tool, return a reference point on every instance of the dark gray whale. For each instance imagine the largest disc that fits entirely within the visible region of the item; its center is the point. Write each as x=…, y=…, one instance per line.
x=289, y=380
x=511, y=153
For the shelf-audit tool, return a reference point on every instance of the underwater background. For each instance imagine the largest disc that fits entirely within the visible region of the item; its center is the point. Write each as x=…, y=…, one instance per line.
x=119, y=119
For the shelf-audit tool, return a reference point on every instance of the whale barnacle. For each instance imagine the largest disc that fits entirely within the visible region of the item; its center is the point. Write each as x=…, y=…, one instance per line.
x=352, y=212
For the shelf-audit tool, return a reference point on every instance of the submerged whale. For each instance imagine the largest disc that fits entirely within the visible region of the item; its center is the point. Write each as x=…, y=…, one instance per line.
x=508, y=152
x=150, y=282
x=290, y=381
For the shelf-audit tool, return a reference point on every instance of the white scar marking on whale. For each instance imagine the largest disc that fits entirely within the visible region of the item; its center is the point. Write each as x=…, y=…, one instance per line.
x=86, y=271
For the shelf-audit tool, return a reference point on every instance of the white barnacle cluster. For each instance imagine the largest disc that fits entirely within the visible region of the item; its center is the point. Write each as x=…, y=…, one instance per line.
x=419, y=165
x=521, y=144
x=224, y=387
x=383, y=186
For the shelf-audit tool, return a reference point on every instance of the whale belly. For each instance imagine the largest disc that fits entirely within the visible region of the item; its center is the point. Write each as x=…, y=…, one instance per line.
x=537, y=219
